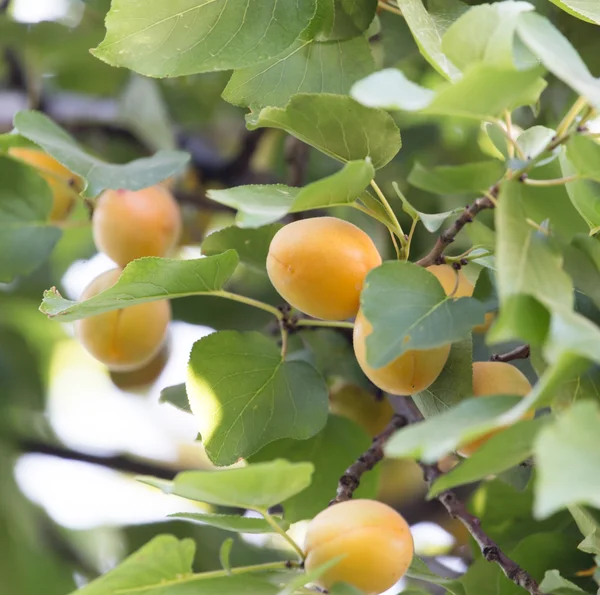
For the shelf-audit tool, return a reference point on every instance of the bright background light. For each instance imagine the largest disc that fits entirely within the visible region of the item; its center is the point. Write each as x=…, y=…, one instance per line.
x=35, y=11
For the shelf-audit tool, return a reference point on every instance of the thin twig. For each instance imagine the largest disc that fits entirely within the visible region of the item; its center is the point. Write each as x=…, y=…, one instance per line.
x=521, y=352
x=447, y=237
x=350, y=481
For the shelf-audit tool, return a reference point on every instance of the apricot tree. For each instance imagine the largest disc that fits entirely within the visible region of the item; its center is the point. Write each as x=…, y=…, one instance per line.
x=398, y=261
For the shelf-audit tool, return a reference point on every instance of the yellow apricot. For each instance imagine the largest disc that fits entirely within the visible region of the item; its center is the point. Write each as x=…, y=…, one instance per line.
x=143, y=377
x=456, y=283
x=408, y=374
x=374, y=539
x=319, y=266
x=360, y=406
x=123, y=339
x=495, y=378
x=65, y=185
x=131, y=224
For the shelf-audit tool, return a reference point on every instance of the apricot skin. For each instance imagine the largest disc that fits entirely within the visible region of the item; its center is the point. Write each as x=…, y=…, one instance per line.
x=123, y=339
x=144, y=377
x=447, y=276
x=495, y=378
x=408, y=374
x=319, y=266
x=374, y=539
x=64, y=184
x=132, y=224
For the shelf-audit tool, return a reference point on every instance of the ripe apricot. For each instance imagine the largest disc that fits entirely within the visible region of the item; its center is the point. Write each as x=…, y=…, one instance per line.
x=495, y=378
x=123, y=339
x=410, y=373
x=319, y=266
x=361, y=407
x=374, y=539
x=456, y=283
x=132, y=224
x=65, y=185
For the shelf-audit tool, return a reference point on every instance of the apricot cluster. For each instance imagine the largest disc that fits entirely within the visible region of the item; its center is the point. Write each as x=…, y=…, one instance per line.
x=128, y=225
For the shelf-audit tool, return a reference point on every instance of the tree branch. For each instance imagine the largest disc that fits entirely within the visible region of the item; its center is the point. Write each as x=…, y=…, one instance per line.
x=521, y=352
x=447, y=237
x=350, y=481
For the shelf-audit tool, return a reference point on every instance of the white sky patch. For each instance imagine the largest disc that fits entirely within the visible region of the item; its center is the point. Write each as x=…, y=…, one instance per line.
x=36, y=11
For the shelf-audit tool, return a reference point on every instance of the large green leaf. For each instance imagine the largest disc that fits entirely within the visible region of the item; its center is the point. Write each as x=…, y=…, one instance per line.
x=230, y=522
x=568, y=460
x=245, y=396
x=251, y=245
x=98, y=174
x=428, y=35
x=258, y=205
x=450, y=179
x=408, y=309
x=501, y=452
x=305, y=67
x=258, y=486
x=531, y=281
x=331, y=452
x=159, y=38
x=558, y=55
x=434, y=438
x=147, y=280
x=483, y=92
x=586, y=10
x=26, y=237
x=343, y=19
x=336, y=125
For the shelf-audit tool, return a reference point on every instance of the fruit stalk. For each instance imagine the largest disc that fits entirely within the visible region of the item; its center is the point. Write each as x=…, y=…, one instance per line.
x=521, y=352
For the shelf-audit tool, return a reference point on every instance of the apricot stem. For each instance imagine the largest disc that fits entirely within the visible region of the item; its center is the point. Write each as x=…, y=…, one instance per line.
x=284, y=339
x=570, y=116
x=325, y=323
x=250, y=302
x=281, y=532
x=385, y=6
x=397, y=227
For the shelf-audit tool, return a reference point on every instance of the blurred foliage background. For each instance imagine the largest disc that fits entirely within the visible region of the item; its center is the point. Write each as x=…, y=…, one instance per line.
x=71, y=437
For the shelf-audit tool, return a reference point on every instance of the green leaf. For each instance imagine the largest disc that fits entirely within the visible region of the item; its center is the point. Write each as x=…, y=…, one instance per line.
x=259, y=205
x=501, y=452
x=165, y=558
x=257, y=487
x=251, y=245
x=428, y=36
x=245, y=396
x=408, y=309
x=231, y=522
x=530, y=275
x=419, y=570
x=344, y=19
x=12, y=139
x=586, y=10
x=485, y=34
x=26, y=239
x=331, y=452
x=305, y=67
x=582, y=193
x=584, y=154
x=455, y=179
x=98, y=174
x=308, y=577
x=434, y=438
x=558, y=55
x=452, y=385
x=225, y=554
x=147, y=280
x=589, y=527
x=482, y=93
x=176, y=396
x=534, y=141
x=336, y=125
x=174, y=39
x=567, y=453
x=553, y=583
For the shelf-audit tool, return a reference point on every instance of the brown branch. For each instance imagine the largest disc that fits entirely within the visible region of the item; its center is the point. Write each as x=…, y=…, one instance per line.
x=521, y=352
x=447, y=237
x=350, y=481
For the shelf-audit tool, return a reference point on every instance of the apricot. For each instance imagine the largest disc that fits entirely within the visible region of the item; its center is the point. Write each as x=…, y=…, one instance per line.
x=374, y=539
x=495, y=378
x=123, y=339
x=455, y=283
x=360, y=406
x=410, y=373
x=319, y=266
x=65, y=185
x=132, y=224
x=143, y=377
